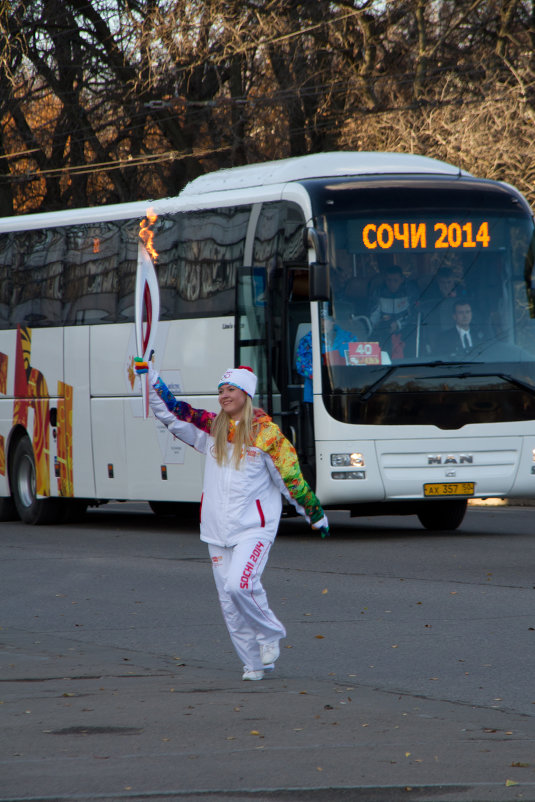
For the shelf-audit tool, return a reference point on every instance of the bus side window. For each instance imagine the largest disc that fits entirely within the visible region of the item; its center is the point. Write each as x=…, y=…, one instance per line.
x=91, y=278
x=6, y=283
x=37, y=275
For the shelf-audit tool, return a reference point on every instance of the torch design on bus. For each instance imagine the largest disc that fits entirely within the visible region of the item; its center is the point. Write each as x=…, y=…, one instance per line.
x=147, y=303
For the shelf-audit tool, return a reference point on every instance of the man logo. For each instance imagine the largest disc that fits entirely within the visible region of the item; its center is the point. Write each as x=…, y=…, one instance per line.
x=450, y=459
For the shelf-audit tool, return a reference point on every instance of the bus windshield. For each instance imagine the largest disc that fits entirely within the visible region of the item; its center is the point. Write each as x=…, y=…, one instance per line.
x=430, y=300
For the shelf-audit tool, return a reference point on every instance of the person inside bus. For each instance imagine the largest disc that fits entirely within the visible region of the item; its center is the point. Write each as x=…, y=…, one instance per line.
x=249, y=464
x=391, y=309
x=465, y=336
x=334, y=343
x=436, y=306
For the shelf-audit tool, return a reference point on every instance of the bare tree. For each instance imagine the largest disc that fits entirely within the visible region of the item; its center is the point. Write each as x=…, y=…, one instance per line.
x=104, y=101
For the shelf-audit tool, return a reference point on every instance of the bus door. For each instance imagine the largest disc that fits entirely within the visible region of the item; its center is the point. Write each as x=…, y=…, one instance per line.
x=272, y=317
x=289, y=310
x=252, y=338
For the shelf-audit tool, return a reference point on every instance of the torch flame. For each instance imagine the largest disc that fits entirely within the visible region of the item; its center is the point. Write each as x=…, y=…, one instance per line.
x=147, y=235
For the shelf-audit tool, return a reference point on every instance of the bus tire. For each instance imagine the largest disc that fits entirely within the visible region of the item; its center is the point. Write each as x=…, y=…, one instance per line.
x=444, y=515
x=31, y=510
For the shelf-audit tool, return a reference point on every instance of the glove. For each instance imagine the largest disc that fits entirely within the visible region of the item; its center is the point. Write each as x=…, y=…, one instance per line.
x=323, y=526
x=140, y=366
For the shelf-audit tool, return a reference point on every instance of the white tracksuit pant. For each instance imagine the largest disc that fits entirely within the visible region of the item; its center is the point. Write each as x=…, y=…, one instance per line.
x=250, y=622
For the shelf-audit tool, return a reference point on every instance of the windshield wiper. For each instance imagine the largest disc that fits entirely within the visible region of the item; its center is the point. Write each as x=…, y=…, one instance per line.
x=505, y=376
x=460, y=375
x=373, y=388
x=512, y=379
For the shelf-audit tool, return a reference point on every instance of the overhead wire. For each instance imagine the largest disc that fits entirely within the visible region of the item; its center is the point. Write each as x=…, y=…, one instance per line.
x=197, y=108
x=275, y=98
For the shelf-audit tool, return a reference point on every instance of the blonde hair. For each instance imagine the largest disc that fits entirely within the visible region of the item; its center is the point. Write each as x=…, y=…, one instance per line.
x=243, y=435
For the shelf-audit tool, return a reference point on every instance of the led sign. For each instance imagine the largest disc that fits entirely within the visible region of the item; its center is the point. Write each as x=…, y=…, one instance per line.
x=421, y=235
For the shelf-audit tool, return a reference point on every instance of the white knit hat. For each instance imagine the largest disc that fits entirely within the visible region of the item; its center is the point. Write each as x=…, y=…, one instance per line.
x=242, y=377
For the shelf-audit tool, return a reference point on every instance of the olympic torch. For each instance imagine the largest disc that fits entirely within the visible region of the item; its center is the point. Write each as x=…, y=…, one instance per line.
x=147, y=303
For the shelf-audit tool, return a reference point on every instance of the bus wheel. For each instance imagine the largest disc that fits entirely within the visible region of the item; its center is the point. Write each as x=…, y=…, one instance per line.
x=445, y=515
x=31, y=510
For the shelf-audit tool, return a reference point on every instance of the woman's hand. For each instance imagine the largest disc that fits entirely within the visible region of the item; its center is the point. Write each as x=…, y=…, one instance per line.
x=140, y=366
x=323, y=526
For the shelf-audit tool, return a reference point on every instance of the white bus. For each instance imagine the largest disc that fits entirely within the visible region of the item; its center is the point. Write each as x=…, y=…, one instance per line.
x=397, y=251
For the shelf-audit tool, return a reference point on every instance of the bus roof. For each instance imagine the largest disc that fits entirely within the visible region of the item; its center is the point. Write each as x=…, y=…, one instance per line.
x=318, y=165
x=340, y=164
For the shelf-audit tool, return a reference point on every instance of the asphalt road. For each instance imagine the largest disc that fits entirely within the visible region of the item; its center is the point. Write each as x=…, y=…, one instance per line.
x=407, y=672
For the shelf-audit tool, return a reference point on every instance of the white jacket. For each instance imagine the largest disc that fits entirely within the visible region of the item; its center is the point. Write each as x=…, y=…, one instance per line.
x=244, y=503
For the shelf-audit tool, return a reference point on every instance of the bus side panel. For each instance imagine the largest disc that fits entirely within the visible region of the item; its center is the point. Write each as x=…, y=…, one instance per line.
x=161, y=467
x=111, y=472
x=31, y=377
x=191, y=355
x=136, y=458
x=109, y=384
x=7, y=372
x=6, y=415
x=74, y=418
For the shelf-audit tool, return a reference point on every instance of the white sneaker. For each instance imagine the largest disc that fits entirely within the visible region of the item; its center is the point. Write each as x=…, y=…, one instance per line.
x=269, y=652
x=253, y=675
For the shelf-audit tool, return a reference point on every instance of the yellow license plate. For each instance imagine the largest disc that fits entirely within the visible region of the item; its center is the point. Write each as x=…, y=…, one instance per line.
x=450, y=489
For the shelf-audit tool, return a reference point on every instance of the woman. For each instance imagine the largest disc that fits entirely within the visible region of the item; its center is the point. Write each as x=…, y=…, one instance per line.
x=249, y=463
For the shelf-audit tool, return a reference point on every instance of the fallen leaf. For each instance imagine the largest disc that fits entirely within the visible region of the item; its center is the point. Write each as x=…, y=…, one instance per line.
x=509, y=783
x=254, y=732
x=319, y=637
x=324, y=591
x=518, y=765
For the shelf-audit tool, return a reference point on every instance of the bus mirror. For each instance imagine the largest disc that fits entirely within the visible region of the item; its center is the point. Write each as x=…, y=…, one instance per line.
x=319, y=273
x=318, y=241
x=319, y=282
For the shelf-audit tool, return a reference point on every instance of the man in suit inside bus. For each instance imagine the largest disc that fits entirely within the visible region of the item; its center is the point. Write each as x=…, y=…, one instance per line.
x=464, y=337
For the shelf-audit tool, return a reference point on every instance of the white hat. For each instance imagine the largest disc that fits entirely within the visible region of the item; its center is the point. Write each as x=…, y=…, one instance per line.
x=242, y=377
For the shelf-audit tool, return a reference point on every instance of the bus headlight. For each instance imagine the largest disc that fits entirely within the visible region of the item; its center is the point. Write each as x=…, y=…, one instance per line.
x=347, y=460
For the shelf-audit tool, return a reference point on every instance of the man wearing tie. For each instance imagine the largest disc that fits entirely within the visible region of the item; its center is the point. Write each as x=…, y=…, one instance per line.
x=462, y=338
